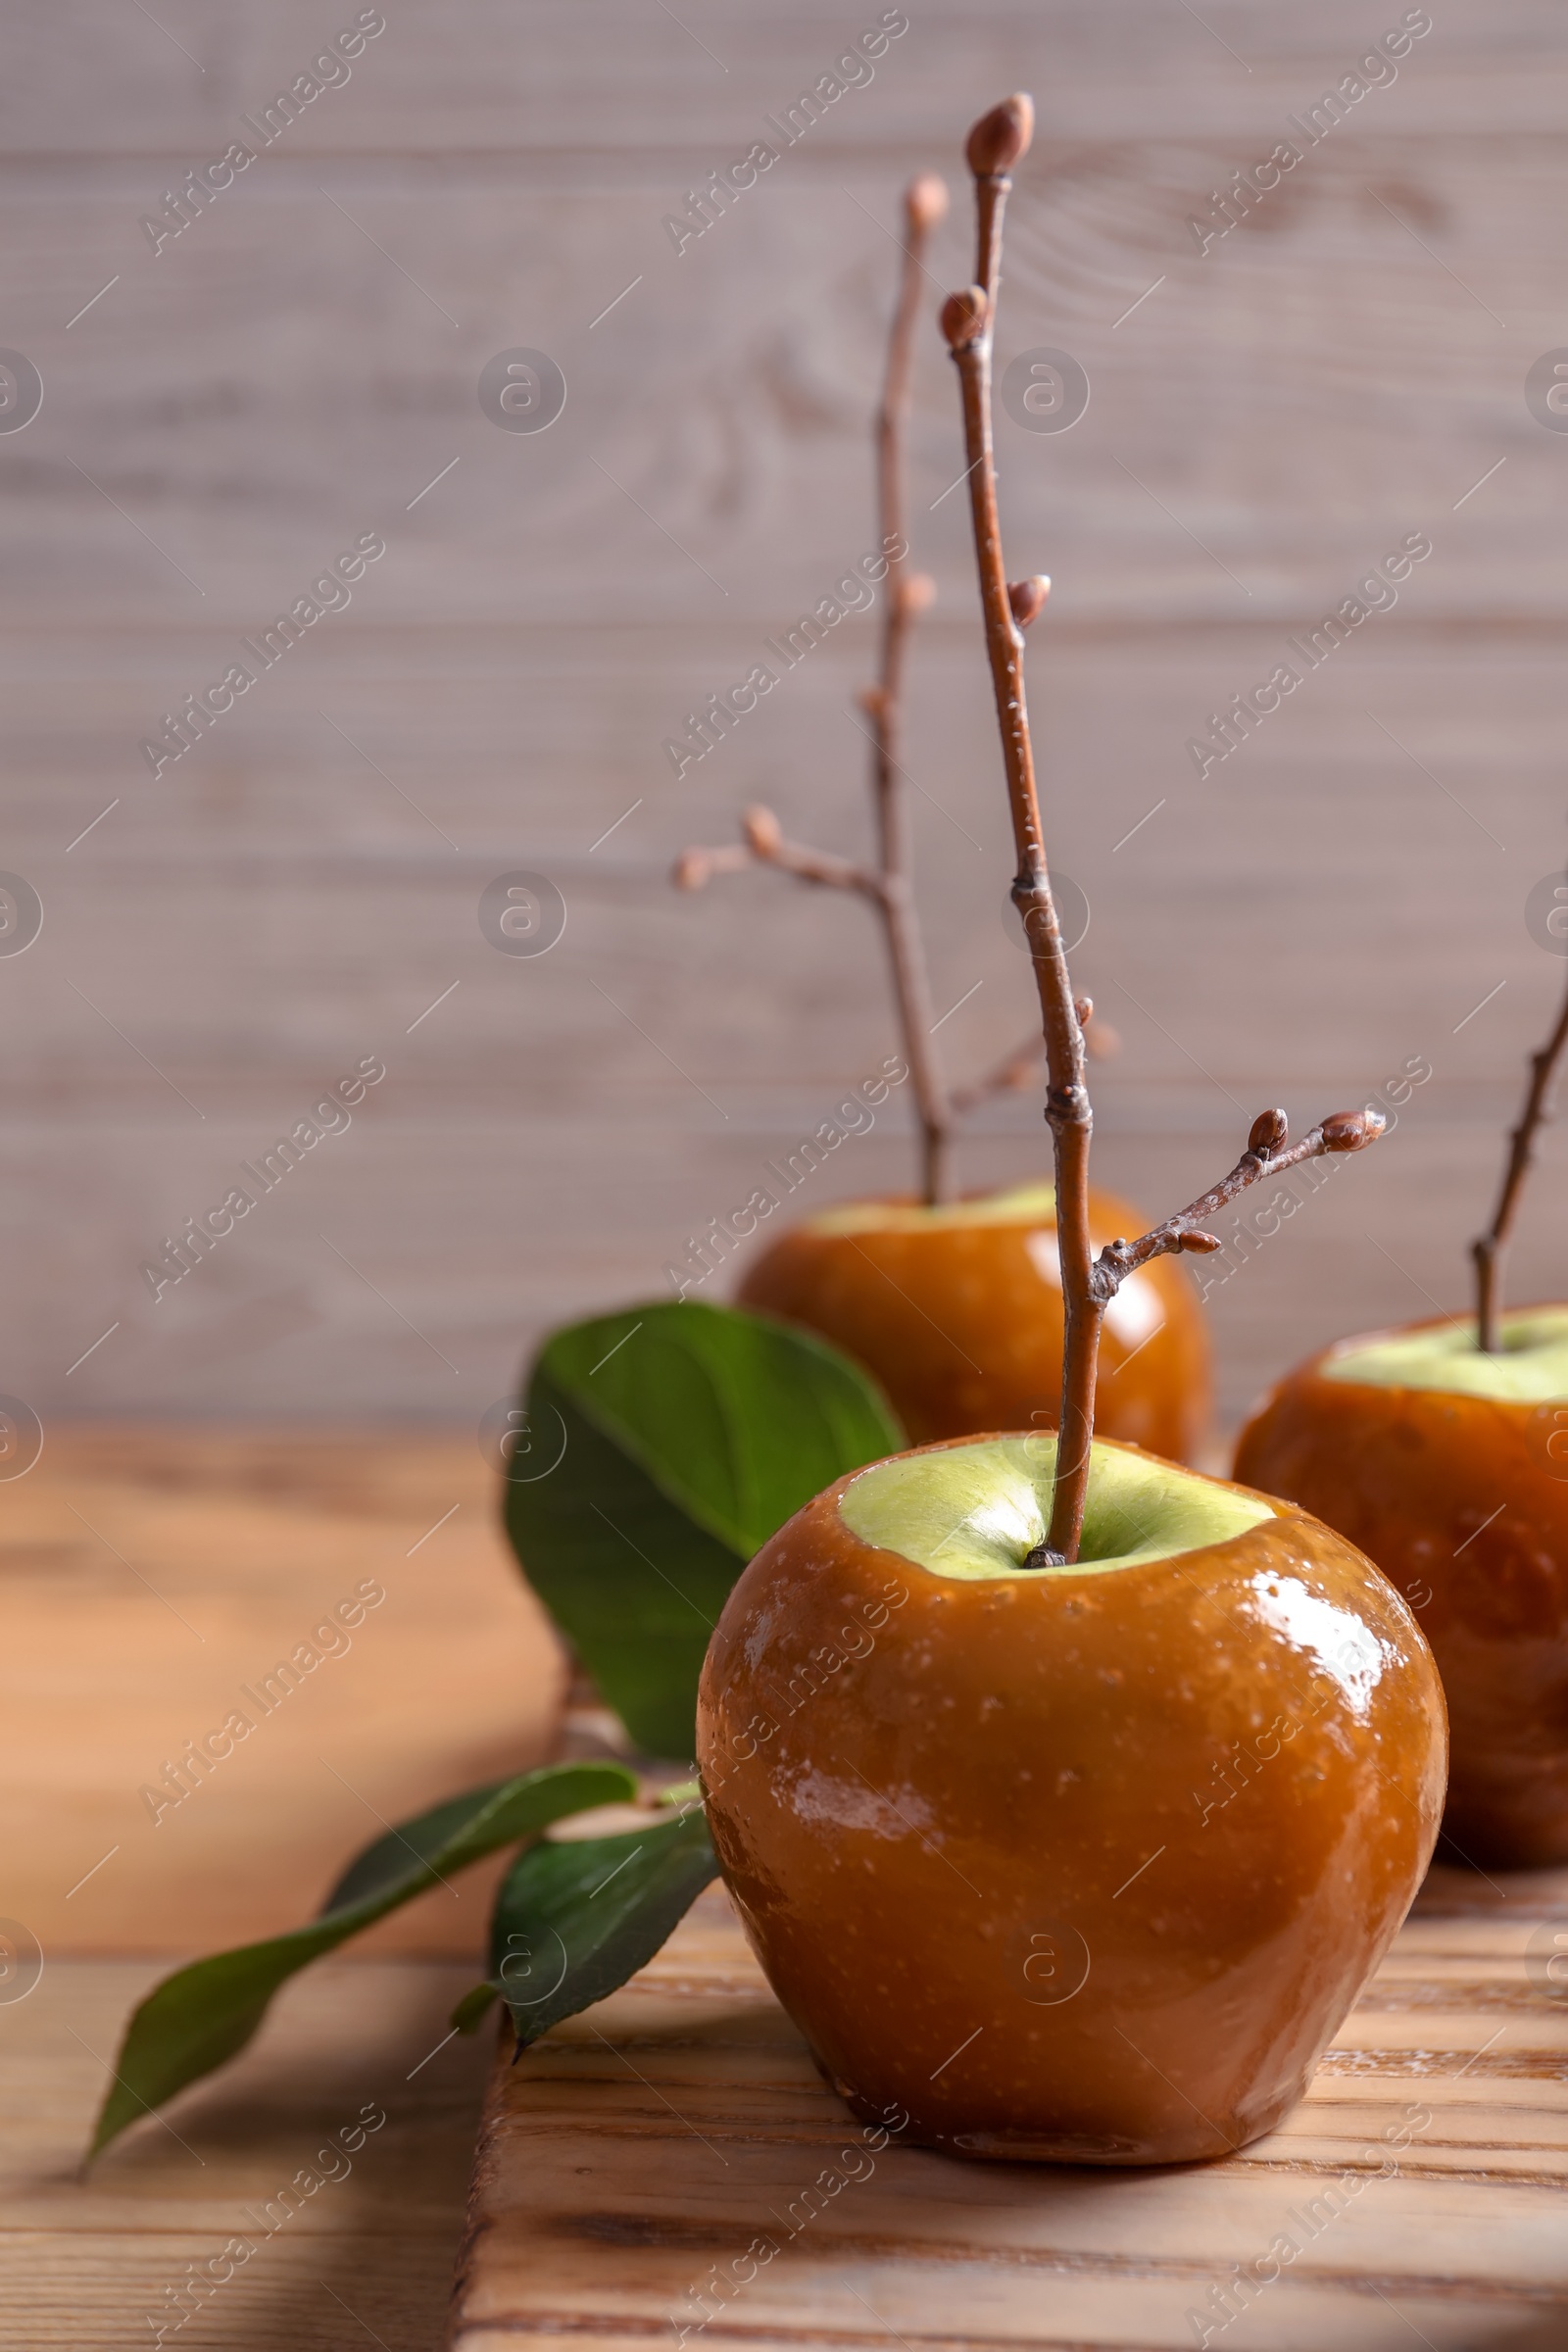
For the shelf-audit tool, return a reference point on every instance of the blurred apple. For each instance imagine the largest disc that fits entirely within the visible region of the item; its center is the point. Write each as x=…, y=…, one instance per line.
x=1450, y=1468
x=957, y=1312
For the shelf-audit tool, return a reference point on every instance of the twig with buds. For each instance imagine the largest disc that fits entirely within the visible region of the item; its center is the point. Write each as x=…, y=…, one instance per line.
x=1266, y=1154
x=1487, y=1248
x=908, y=595
x=765, y=844
x=996, y=143
x=889, y=885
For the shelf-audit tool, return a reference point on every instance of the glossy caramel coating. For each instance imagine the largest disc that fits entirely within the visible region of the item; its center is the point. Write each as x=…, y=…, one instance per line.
x=1071, y=1867
x=1413, y=1477
x=962, y=1325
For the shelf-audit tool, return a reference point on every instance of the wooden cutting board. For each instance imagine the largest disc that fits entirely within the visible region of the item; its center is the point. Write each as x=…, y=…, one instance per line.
x=635, y=2169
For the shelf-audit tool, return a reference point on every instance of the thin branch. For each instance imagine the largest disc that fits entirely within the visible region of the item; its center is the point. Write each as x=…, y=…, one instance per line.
x=1266, y=1154
x=765, y=844
x=1487, y=1248
x=697, y=865
x=888, y=886
x=995, y=145
x=907, y=594
x=1268, y=1151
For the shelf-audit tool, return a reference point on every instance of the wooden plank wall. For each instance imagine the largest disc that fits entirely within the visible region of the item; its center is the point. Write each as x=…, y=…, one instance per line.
x=296, y=893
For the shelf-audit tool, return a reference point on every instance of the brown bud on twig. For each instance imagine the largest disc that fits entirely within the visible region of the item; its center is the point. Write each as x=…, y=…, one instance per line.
x=1084, y=1007
x=763, y=832
x=1028, y=598
x=1001, y=136
x=873, y=701
x=1265, y=1153
x=1200, y=1245
x=915, y=595
x=1352, y=1130
x=925, y=203
x=966, y=317
x=765, y=844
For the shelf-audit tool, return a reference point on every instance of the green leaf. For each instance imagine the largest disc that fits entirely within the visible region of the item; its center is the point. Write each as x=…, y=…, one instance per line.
x=205, y=2014
x=634, y=1585
x=667, y=1443
x=473, y=2008
x=577, y=1917
x=737, y=1419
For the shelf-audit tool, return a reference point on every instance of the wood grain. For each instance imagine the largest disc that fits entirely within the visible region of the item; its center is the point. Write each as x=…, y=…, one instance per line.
x=301, y=362
x=366, y=2257
x=148, y=1574
x=151, y=1581
x=639, y=2152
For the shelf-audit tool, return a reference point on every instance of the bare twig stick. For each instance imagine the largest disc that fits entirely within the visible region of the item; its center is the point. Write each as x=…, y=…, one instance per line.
x=765, y=844
x=888, y=886
x=697, y=865
x=1487, y=1248
x=1266, y=1154
x=1268, y=1151
x=995, y=145
x=909, y=593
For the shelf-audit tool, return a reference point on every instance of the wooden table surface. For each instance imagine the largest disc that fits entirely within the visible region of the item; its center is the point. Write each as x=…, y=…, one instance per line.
x=366, y=2259
x=154, y=1578
x=634, y=2170
x=146, y=1575
x=641, y=2146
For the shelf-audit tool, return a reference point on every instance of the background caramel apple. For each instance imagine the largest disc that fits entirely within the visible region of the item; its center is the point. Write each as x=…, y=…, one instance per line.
x=1442, y=1450
x=1081, y=1864
x=957, y=1313
x=1450, y=1468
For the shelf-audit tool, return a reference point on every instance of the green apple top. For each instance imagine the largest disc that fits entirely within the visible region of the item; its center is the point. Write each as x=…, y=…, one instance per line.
x=979, y=1507
x=1530, y=1366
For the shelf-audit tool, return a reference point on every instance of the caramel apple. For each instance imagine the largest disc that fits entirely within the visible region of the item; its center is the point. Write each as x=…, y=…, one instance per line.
x=1442, y=1450
x=957, y=1312
x=1450, y=1468
x=1070, y=1798
x=1086, y=1863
